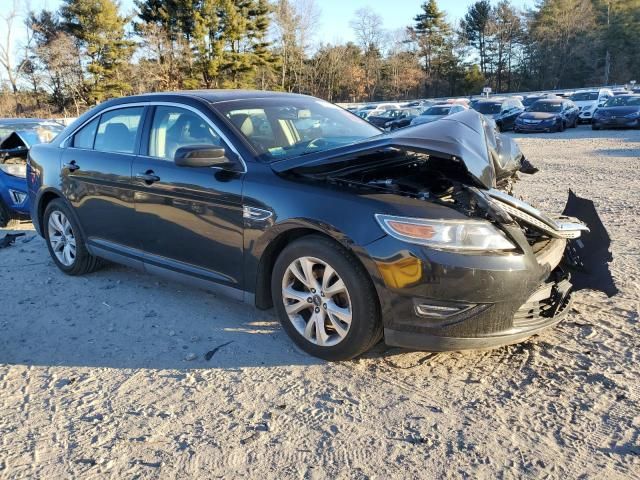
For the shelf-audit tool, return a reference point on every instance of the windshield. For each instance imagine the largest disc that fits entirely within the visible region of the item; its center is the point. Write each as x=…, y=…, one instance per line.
x=530, y=101
x=584, y=96
x=623, y=101
x=32, y=133
x=437, y=111
x=390, y=114
x=546, y=107
x=488, y=108
x=45, y=129
x=279, y=128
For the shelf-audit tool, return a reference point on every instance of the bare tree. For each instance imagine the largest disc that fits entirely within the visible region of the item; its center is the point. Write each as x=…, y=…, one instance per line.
x=368, y=28
x=6, y=49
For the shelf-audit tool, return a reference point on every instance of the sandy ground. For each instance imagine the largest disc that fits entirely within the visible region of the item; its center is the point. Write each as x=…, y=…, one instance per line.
x=108, y=375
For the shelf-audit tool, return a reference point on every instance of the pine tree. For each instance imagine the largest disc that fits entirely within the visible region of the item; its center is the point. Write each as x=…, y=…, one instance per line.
x=99, y=31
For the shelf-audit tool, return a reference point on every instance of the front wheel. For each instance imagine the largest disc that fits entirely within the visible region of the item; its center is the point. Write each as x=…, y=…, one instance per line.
x=325, y=299
x=595, y=127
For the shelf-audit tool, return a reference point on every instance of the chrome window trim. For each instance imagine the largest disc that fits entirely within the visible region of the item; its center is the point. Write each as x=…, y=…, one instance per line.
x=225, y=139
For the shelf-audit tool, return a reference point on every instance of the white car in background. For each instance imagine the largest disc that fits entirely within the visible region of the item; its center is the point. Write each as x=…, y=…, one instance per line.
x=588, y=100
x=376, y=109
x=436, y=112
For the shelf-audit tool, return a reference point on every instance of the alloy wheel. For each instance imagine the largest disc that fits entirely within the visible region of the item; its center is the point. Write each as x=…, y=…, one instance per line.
x=317, y=301
x=62, y=238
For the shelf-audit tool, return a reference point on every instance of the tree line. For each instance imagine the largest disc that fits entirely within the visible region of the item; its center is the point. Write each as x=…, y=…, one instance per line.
x=89, y=50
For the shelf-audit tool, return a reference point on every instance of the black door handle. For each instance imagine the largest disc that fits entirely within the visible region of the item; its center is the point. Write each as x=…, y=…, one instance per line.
x=72, y=166
x=148, y=177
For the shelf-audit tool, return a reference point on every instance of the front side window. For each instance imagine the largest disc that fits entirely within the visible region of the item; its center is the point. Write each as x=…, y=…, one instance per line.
x=85, y=136
x=175, y=127
x=118, y=129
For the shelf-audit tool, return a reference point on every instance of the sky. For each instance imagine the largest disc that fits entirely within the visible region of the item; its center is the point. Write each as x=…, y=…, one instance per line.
x=336, y=14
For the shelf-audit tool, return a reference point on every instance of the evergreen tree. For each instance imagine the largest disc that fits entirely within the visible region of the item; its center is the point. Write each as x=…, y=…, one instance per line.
x=99, y=31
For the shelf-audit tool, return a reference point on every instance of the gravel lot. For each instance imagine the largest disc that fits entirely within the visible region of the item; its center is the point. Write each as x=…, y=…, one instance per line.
x=121, y=374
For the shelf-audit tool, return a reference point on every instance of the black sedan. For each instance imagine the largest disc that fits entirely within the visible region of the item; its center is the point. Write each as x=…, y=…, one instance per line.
x=503, y=111
x=622, y=111
x=548, y=115
x=350, y=234
x=398, y=117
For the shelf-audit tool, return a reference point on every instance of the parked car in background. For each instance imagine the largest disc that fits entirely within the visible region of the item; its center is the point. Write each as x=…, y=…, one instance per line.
x=548, y=115
x=622, y=111
x=17, y=135
x=351, y=235
x=436, y=112
x=398, y=118
x=369, y=110
x=588, y=100
x=405, y=120
x=503, y=111
x=620, y=91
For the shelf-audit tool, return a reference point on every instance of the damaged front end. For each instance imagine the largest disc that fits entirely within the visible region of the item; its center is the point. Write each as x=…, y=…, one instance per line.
x=446, y=299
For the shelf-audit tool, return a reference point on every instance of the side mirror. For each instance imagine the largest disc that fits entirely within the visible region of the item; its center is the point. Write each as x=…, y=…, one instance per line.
x=204, y=156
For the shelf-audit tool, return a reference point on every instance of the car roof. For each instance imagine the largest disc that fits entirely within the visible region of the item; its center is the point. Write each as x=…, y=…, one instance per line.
x=215, y=96
x=551, y=100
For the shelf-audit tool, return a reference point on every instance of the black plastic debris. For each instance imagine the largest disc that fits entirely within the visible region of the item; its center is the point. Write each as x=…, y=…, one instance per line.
x=588, y=257
x=9, y=239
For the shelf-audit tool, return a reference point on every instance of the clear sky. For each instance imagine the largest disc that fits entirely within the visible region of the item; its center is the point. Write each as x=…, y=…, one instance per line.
x=336, y=14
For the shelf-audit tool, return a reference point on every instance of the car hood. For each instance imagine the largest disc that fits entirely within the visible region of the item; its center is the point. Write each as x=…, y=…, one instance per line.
x=463, y=138
x=621, y=110
x=538, y=115
x=585, y=103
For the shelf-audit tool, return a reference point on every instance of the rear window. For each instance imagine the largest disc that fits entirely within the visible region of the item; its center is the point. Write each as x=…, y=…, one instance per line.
x=584, y=96
x=437, y=111
x=488, y=108
x=118, y=129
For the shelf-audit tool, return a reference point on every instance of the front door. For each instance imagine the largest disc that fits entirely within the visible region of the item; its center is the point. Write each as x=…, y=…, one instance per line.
x=96, y=175
x=190, y=218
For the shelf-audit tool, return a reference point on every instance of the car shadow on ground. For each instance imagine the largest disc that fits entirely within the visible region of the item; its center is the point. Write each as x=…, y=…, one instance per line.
x=122, y=318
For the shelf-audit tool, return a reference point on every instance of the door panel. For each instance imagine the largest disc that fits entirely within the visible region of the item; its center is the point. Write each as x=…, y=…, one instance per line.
x=98, y=183
x=188, y=216
x=193, y=216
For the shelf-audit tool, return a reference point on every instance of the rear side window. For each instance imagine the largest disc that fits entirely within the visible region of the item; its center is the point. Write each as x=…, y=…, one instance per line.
x=84, y=137
x=118, y=129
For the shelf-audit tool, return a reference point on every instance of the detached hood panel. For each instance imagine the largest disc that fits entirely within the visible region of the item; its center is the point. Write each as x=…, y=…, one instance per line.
x=465, y=137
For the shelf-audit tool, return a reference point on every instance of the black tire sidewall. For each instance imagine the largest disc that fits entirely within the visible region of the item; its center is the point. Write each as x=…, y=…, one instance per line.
x=365, y=325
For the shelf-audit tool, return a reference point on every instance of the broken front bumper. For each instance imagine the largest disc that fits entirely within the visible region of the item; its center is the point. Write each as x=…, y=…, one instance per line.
x=443, y=301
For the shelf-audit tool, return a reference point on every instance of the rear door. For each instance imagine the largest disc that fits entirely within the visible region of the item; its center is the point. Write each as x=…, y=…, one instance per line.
x=96, y=175
x=190, y=218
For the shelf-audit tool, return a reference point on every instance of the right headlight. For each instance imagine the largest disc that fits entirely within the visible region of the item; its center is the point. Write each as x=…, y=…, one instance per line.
x=459, y=235
x=14, y=169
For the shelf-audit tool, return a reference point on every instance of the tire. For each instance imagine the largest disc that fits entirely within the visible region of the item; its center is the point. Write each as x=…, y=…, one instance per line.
x=594, y=127
x=7, y=220
x=358, y=300
x=575, y=123
x=82, y=262
x=560, y=126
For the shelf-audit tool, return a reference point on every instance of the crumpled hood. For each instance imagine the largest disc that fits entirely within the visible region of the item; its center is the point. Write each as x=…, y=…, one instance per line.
x=465, y=137
x=538, y=115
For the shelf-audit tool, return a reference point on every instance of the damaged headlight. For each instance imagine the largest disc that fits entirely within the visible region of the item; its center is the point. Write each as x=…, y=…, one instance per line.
x=15, y=169
x=461, y=235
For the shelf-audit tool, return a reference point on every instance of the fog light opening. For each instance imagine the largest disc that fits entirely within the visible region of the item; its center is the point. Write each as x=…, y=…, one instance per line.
x=440, y=311
x=17, y=197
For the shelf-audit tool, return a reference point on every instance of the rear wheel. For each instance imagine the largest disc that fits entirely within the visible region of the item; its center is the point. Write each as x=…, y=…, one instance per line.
x=595, y=127
x=575, y=123
x=325, y=299
x=65, y=242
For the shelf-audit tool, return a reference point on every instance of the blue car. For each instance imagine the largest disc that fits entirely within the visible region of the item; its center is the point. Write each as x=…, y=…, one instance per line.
x=17, y=135
x=548, y=115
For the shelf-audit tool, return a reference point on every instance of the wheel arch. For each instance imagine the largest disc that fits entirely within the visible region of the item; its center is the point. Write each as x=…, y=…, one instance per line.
x=277, y=241
x=43, y=199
